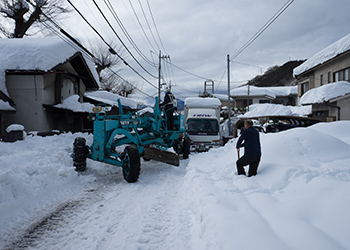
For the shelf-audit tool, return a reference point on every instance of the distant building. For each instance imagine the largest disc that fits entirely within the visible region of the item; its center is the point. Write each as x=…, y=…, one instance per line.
x=247, y=95
x=330, y=65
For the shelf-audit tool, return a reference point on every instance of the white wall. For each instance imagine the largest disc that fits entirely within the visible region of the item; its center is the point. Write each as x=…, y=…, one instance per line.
x=27, y=93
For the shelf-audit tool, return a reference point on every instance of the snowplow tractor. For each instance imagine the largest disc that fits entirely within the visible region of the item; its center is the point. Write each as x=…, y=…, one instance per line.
x=123, y=139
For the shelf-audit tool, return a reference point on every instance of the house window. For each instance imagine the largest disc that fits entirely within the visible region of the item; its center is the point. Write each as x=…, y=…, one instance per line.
x=346, y=74
x=329, y=77
x=247, y=102
x=336, y=76
x=264, y=101
x=342, y=75
x=304, y=87
x=321, y=80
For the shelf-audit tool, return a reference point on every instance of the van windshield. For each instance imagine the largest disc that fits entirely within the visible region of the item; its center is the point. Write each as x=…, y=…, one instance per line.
x=202, y=126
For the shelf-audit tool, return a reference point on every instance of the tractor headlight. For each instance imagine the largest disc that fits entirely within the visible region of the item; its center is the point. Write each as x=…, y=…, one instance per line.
x=97, y=109
x=101, y=109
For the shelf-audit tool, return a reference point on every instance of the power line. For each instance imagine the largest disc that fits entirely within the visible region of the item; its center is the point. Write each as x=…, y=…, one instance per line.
x=109, y=24
x=129, y=83
x=195, y=75
x=155, y=26
x=143, y=30
x=149, y=27
x=110, y=48
x=266, y=25
x=127, y=35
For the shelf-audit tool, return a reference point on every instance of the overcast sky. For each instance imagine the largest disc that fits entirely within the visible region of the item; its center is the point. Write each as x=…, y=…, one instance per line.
x=199, y=34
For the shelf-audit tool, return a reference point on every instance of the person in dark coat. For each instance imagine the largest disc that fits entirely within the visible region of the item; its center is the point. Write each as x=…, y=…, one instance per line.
x=250, y=140
x=168, y=105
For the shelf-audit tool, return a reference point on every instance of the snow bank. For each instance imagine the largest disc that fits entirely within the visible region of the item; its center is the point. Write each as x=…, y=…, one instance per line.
x=72, y=103
x=325, y=93
x=202, y=102
x=35, y=173
x=35, y=54
x=269, y=109
x=111, y=99
x=324, y=55
x=298, y=200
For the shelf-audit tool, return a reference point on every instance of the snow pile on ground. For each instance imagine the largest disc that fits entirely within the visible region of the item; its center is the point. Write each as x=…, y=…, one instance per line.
x=324, y=55
x=325, y=93
x=72, y=103
x=14, y=127
x=298, y=200
x=111, y=99
x=35, y=173
x=269, y=109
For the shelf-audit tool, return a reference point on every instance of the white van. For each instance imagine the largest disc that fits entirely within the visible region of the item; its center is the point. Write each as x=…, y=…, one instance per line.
x=202, y=122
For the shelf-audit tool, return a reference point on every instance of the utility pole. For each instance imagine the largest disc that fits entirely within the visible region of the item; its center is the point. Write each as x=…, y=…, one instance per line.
x=228, y=95
x=160, y=73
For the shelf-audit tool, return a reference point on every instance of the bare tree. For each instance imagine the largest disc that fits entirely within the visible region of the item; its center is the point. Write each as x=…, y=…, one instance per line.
x=113, y=83
x=108, y=65
x=24, y=14
x=104, y=58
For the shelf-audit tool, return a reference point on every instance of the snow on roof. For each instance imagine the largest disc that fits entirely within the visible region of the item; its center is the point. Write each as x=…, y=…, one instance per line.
x=272, y=92
x=268, y=109
x=284, y=90
x=325, y=93
x=111, y=99
x=324, y=55
x=202, y=102
x=72, y=103
x=222, y=97
x=35, y=54
x=6, y=106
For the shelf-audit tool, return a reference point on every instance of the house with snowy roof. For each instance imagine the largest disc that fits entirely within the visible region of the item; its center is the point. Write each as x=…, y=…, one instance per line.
x=37, y=75
x=110, y=99
x=330, y=66
x=247, y=95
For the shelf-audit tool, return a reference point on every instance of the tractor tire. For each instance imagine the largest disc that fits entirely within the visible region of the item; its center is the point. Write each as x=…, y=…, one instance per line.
x=186, y=148
x=131, y=165
x=79, y=154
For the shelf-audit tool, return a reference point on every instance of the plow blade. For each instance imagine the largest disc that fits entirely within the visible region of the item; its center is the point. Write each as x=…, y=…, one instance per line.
x=161, y=155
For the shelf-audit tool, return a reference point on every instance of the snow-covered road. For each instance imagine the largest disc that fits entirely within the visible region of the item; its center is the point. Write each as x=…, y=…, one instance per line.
x=110, y=213
x=142, y=215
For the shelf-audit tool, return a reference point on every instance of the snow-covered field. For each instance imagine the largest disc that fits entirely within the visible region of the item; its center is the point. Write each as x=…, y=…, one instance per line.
x=299, y=199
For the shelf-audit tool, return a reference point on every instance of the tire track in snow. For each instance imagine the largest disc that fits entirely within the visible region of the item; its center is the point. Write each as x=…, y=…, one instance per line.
x=116, y=214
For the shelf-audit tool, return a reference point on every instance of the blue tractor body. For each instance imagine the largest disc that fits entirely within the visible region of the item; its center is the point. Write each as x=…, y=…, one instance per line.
x=142, y=135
